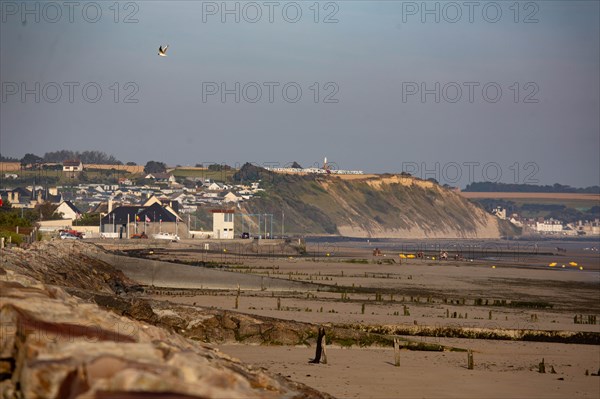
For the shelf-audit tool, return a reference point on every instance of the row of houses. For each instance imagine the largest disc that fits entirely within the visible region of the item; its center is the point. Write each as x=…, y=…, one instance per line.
x=127, y=210
x=185, y=200
x=31, y=196
x=550, y=226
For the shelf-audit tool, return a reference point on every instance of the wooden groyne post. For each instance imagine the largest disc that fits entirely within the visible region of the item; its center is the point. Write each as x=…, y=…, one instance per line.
x=542, y=367
x=396, y=352
x=320, y=354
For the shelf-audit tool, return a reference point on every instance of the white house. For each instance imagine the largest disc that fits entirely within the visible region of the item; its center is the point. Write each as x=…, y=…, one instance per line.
x=223, y=224
x=178, y=197
x=514, y=219
x=161, y=177
x=215, y=186
x=72, y=165
x=68, y=210
x=499, y=212
x=231, y=197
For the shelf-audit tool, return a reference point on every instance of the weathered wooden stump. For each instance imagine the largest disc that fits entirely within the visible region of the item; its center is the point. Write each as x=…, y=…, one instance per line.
x=470, y=362
x=542, y=367
x=396, y=352
x=320, y=354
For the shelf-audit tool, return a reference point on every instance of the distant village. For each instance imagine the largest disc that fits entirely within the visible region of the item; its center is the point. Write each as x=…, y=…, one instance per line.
x=125, y=209
x=550, y=226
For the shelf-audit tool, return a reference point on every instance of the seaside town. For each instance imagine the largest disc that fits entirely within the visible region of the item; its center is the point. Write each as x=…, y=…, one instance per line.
x=166, y=206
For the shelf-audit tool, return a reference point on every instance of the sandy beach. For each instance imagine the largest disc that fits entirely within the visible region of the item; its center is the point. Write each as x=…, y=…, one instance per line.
x=502, y=370
x=343, y=284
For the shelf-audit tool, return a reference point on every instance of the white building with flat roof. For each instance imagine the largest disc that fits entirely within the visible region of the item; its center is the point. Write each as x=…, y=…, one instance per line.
x=549, y=226
x=223, y=220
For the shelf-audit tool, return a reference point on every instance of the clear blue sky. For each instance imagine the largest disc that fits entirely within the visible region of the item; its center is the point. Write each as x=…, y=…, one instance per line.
x=375, y=53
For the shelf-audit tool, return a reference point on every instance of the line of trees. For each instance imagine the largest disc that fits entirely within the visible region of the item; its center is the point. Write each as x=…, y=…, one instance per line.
x=8, y=159
x=97, y=157
x=529, y=188
x=87, y=157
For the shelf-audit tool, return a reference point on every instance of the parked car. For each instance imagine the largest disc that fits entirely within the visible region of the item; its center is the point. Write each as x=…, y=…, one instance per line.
x=69, y=236
x=245, y=235
x=166, y=236
x=71, y=232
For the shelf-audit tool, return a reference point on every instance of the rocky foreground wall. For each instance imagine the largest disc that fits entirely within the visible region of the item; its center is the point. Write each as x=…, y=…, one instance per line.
x=55, y=345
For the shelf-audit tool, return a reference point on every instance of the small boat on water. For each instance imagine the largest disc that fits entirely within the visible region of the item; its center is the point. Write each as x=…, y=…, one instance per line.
x=165, y=236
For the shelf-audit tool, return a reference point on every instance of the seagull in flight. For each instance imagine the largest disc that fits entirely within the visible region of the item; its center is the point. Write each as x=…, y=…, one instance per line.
x=163, y=51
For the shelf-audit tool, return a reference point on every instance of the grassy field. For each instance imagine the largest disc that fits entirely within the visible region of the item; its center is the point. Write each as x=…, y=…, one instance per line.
x=581, y=202
x=580, y=205
x=532, y=196
x=222, y=176
x=104, y=175
x=63, y=178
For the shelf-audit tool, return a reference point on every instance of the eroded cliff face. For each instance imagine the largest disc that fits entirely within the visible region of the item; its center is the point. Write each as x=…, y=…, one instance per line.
x=56, y=345
x=414, y=208
x=391, y=206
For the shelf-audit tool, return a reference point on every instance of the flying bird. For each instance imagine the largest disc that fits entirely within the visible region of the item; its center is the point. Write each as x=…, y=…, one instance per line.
x=163, y=51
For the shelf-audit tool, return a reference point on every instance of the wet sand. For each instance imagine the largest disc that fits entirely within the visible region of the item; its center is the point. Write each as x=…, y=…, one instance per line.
x=331, y=288
x=501, y=370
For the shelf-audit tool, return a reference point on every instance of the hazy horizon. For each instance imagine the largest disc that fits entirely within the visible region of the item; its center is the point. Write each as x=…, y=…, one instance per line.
x=369, y=68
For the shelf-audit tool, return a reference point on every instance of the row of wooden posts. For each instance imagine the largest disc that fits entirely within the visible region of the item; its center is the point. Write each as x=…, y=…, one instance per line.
x=588, y=319
x=321, y=353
